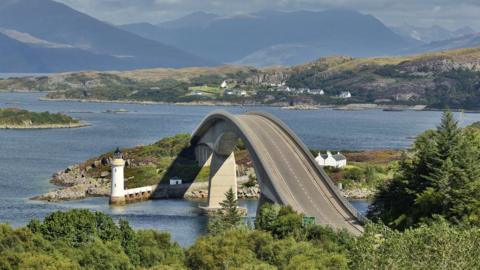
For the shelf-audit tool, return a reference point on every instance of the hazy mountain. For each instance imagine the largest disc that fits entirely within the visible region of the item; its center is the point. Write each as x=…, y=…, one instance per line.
x=467, y=41
x=430, y=34
x=242, y=38
x=55, y=23
x=21, y=57
x=196, y=19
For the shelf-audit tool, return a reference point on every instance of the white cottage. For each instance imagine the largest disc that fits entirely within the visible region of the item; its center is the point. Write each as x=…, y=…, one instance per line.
x=345, y=94
x=328, y=160
x=224, y=85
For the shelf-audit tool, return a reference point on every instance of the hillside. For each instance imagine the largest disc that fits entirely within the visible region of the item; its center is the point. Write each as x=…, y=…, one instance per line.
x=448, y=78
x=82, y=41
x=245, y=38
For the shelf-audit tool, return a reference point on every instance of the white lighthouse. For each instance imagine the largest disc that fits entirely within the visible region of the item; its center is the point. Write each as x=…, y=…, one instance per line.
x=117, y=194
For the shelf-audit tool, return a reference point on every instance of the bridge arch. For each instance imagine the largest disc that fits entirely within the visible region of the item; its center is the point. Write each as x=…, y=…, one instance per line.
x=286, y=170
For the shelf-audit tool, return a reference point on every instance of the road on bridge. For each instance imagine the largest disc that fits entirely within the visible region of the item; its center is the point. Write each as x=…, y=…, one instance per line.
x=296, y=178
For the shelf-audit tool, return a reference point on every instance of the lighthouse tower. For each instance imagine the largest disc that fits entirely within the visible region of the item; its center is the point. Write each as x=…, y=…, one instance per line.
x=117, y=194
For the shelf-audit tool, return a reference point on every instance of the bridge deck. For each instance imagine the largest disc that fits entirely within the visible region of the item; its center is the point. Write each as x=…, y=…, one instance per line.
x=286, y=169
x=305, y=190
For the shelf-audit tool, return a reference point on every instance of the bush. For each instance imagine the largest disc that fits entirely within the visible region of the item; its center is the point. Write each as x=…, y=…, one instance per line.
x=437, y=245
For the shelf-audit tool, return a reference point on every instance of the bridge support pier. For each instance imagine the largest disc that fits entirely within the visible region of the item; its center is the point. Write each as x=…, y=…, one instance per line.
x=223, y=176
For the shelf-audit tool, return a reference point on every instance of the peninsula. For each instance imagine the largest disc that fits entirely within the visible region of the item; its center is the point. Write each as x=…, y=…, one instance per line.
x=13, y=118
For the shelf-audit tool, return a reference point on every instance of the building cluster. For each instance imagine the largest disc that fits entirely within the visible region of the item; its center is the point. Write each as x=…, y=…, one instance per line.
x=282, y=87
x=328, y=160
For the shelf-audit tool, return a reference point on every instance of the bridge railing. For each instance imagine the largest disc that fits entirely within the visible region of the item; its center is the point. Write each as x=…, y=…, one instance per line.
x=346, y=204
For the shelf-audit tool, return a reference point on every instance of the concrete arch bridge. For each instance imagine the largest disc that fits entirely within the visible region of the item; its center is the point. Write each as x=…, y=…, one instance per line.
x=286, y=170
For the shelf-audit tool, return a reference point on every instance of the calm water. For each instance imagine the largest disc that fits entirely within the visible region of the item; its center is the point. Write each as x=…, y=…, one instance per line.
x=29, y=157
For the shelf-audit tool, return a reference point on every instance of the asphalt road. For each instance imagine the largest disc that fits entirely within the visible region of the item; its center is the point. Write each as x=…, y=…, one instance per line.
x=295, y=178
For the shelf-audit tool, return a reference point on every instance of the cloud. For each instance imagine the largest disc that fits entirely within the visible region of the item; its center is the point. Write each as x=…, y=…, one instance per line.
x=447, y=13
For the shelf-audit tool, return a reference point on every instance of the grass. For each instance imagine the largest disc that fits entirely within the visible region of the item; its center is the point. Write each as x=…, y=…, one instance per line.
x=155, y=163
x=366, y=169
x=207, y=89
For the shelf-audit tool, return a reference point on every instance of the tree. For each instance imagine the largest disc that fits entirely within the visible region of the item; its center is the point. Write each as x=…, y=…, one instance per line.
x=228, y=217
x=129, y=242
x=440, y=177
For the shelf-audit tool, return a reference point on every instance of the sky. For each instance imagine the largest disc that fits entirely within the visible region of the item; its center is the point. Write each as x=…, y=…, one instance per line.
x=450, y=14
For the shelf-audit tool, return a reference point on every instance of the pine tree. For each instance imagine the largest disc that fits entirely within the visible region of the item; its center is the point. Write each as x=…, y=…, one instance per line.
x=231, y=215
x=227, y=217
x=442, y=177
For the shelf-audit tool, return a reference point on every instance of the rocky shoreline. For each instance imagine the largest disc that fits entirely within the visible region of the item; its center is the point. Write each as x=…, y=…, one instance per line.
x=346, y=107
x=48, y=126
x=75, y=184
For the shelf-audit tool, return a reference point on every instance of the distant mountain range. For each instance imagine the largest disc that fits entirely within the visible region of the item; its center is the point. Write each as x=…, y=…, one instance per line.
x=466, y=41
x=273, y=37
x=46, y=36
x=431, y=34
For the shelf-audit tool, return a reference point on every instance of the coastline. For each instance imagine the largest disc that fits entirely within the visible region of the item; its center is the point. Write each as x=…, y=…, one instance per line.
x=74, y=184
x=47, y=126
x=343, y=107
x=199, y=103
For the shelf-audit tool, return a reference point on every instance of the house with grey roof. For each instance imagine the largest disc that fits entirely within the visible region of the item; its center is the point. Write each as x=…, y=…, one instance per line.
x=328, y=160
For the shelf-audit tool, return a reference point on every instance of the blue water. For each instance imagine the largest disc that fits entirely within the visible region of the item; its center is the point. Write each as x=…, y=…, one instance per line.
x=29, y=157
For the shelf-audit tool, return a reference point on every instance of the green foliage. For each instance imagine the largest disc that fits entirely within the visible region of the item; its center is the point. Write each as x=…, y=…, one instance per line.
x=84, y=239
x=228, y=217
x=129, y=242
x=155, y=163
x=438, y=245
x=441, y=177
x=457, y=89
x=76, y=227
x=18, y=117
x=434, y=245
x=243, y=249
x=157, y=248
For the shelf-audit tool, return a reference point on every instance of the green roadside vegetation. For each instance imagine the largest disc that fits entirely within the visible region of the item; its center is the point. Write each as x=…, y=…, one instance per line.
x=365, y=169
x=13, y=117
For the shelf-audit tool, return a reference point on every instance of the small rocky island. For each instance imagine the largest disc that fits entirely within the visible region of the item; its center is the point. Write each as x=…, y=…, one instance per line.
x=172, y=157
x=13, y=118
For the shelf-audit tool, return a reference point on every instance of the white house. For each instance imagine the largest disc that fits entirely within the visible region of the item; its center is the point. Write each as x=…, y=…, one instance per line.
x=328, y=160
x=317, y=92
x=175, y=181
x=345, y=94
x=224, y=84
